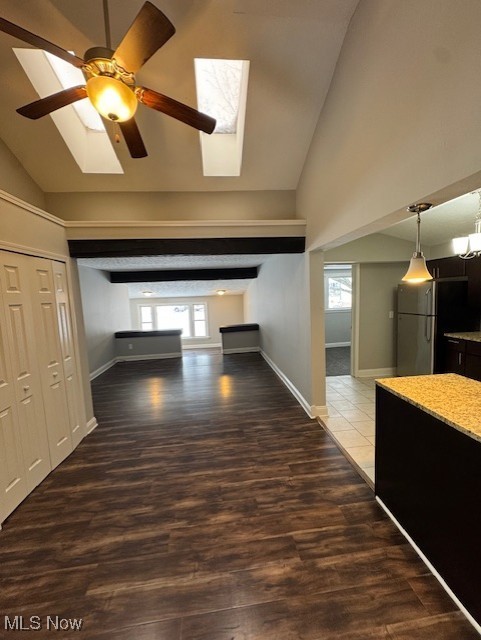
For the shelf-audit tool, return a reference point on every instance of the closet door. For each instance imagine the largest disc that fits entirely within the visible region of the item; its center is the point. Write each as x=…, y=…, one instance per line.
x=25, y=387
x=13, y=482
x=50, y=359
x=69, y=361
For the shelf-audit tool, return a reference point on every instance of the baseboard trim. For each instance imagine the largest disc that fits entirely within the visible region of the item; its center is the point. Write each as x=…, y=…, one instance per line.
x=329, y=345
x=91, y=425
x=430, y=567
x=206, y=345
x=242, y=350
x=105, y=367
x=295, y=392
x=388, y=372
x=151, y=356
x=320, y=411
x=111, y=363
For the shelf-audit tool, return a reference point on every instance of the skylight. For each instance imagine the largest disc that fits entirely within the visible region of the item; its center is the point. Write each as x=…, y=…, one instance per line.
x=70, y=76
x=83, y=131
x=222, y=94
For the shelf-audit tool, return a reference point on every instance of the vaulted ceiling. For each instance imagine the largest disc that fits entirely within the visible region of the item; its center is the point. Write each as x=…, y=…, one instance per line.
x=292, y=45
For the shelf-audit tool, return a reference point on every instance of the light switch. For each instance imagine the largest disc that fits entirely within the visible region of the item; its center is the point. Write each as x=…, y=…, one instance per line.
x=391, y=315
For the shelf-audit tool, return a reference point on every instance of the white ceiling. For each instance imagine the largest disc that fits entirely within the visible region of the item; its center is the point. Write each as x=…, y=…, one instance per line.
x=441, y=223
x=293, y=46
x=192, y=288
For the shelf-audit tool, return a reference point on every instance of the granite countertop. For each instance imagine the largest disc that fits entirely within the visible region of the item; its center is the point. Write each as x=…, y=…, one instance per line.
x=474, y=336
x=453, y=399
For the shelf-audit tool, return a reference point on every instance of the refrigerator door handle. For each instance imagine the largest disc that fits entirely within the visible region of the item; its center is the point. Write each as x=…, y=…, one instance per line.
x=428, y=334
x=429, y=302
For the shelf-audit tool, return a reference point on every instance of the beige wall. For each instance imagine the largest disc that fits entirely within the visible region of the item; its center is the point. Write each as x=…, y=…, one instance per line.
x=105, y=311
x=377, y=297
x=375, y=247
x=16, y=181
x=24, y=226
x=221, y=310
x=221, y=205
x=401, y=122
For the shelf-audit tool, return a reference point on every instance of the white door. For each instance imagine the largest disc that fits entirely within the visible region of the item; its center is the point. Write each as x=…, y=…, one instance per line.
x=50, y=359
x=13, y=483
x=25, y=388
x=69, y=361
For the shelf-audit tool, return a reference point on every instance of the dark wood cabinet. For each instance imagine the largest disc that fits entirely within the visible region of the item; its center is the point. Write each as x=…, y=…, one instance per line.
x=428, y=474
x=473, y=360
x=473, y=271
x=454, y=356
x=452, y=267
x=462, y=357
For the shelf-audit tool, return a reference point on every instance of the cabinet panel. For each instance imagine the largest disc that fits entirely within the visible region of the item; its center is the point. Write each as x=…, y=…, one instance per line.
x=50, y=360
x=450, y=267
x=473, y=271
x=455, y=358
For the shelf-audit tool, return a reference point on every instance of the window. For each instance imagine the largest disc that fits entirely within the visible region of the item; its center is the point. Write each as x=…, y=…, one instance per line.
x=191, y=318
x=176, y=316
x=146, y=322
x=338, y=290
x=200, y=324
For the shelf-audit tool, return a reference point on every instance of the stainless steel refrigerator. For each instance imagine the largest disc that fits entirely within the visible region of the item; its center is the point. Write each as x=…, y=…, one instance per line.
x=424, y=313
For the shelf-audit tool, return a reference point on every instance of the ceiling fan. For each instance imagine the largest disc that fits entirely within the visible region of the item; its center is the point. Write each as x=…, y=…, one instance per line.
x=110, y=80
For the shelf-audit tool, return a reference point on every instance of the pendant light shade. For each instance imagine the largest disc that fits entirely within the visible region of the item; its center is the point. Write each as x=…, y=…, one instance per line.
x=470, y=246
x=418, y=271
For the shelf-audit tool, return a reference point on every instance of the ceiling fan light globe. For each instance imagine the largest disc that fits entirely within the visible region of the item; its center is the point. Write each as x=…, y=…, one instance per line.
x=112, y=98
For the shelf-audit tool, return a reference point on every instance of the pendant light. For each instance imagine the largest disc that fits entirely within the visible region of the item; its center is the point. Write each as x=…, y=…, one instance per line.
x=418, y=271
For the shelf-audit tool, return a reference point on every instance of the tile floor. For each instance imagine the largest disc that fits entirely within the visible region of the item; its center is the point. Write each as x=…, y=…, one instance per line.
x=351, y=420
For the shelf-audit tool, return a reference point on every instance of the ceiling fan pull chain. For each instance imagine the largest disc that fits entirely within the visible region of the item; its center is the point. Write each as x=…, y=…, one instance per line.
x=108, y=40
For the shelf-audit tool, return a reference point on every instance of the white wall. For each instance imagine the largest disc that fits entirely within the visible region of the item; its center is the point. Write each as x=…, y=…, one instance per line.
x=401, y=121
x=221, y=310
x=338, y=327
x=278, y=299
x=105, y=311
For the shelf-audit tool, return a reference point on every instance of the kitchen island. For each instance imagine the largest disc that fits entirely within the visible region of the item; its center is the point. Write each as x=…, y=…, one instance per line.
x=428, y=474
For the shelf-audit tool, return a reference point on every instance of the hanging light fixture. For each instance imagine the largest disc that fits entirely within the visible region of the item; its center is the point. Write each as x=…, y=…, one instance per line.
x=470, y=246
x=418, y=271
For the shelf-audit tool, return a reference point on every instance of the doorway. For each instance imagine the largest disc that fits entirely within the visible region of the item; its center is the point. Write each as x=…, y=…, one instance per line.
x=338, y=318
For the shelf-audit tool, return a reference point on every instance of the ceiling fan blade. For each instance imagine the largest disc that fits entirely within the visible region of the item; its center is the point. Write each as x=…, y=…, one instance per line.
x=133, y=138
x=40, y=43
x=176, y=109
x=148, y=32
x=44, y=106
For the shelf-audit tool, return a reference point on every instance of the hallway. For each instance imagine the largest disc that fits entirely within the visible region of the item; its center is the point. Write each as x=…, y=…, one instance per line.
x=208, y=506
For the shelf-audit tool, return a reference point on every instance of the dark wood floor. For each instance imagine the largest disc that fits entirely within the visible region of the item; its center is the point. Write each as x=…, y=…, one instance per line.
x=207, y=506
